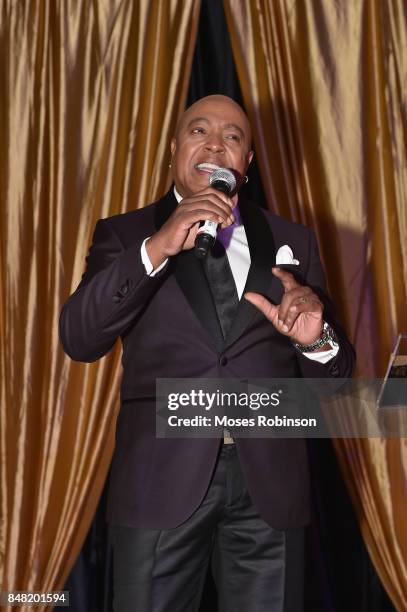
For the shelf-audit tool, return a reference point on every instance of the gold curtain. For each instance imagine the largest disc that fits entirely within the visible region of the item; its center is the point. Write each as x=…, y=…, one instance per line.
x=325, y=87
x=90, y=92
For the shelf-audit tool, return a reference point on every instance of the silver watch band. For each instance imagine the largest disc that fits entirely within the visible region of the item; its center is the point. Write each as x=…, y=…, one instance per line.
x=327, y=335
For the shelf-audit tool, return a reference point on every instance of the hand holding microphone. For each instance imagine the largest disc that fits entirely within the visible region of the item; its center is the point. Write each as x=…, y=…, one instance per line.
x=179, y=232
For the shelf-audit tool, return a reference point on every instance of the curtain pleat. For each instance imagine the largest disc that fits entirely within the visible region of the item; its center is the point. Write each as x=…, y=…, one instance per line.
x=324, y=84
x=90, y=93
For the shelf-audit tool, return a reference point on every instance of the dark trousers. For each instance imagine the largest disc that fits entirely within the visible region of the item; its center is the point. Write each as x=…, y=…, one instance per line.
x=256, y=568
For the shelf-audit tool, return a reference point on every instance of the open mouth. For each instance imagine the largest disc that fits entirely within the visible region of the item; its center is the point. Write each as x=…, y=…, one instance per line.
x=207, y=167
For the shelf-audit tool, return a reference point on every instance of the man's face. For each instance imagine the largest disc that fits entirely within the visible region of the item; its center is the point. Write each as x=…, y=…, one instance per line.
x=212, y=133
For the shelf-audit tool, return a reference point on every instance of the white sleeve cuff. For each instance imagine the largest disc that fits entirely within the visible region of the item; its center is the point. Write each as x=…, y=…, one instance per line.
x=323, y=356
x=147, y=263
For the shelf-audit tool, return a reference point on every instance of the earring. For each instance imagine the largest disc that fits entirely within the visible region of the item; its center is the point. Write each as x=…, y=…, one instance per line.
x=169, y=165
x=246, y=179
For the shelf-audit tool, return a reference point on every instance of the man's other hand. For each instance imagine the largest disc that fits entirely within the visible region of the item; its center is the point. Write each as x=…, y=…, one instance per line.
x=299, y=315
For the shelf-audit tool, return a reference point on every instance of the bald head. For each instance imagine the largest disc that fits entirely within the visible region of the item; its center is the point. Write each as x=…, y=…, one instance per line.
x=213, y=132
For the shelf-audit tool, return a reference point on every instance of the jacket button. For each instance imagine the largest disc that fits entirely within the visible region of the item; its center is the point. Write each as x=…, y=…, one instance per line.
x=334, y=370
x=223, y=360
x=124, y=289
x=116, y=299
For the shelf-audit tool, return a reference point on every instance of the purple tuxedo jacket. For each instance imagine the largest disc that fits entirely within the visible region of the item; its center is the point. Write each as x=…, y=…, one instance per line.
x=169, y=328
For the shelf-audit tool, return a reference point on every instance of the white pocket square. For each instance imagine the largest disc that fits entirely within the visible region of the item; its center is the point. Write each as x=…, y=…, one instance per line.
x=286, y=256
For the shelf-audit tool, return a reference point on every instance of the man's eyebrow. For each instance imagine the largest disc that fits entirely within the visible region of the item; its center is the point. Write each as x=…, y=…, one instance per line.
x=197, y=120
x=235, y=127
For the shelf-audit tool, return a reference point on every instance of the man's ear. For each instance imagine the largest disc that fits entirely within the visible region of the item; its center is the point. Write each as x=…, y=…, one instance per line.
x=173, y=145
x=250, y=156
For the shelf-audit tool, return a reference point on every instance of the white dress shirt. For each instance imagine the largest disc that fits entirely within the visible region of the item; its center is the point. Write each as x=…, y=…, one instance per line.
x=234, y=240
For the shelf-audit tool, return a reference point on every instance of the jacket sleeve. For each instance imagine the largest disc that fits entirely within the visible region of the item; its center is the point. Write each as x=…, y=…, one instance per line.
x=113, y=291
x=340, y=366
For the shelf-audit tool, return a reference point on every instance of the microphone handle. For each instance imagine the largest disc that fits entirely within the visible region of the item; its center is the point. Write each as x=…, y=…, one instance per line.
x=207, y=231
x=205, y=238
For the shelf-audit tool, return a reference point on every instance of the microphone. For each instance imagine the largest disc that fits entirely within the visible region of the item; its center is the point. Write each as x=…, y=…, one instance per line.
x=223, y=180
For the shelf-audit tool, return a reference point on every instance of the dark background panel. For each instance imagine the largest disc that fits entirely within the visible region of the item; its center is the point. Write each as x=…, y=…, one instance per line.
x=214, y=72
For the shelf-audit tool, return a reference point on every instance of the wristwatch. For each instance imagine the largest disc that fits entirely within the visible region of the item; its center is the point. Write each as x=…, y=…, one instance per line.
x=327, y=336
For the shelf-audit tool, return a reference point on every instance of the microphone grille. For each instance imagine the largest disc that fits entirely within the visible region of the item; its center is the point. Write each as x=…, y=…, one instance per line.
x=225, y=176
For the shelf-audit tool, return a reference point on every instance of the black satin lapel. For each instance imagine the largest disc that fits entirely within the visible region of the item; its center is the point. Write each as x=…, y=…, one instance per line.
x=192, y=281
x=263, y=256
x=191, y=278
x=165, y=207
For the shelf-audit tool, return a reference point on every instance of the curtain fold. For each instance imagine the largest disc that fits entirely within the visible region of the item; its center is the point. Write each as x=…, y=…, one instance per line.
x=90, y=93
x=324, y=86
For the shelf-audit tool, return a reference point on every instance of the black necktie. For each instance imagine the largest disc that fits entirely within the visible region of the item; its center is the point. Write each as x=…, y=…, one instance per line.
x=223, y=289
x=222, y=285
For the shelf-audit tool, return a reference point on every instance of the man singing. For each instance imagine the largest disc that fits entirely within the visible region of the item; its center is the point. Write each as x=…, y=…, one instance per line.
x=176, y=505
